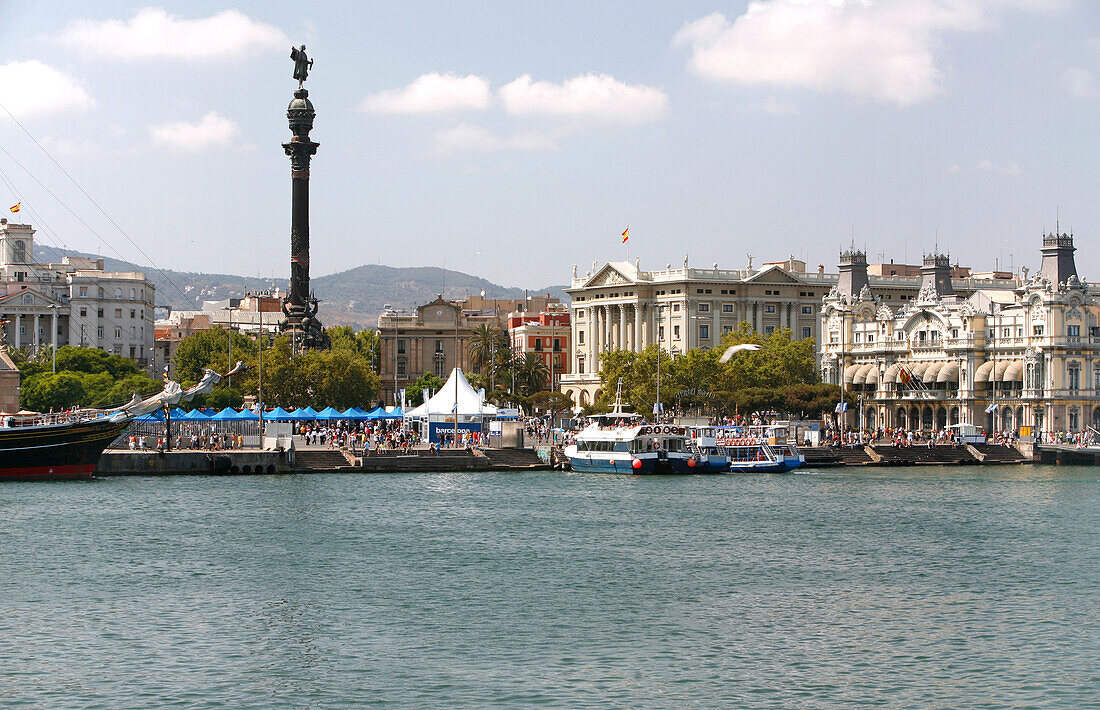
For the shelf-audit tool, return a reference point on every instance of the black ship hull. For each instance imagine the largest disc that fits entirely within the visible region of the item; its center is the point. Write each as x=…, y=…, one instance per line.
x=57, y=451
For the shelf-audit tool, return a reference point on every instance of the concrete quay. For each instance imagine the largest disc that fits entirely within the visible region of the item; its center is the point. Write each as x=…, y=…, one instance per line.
x=115, y=462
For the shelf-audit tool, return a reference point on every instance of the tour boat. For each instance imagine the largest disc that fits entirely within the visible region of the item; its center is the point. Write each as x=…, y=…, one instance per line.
x=751, y=449
x=69, y=445
x=622, y=442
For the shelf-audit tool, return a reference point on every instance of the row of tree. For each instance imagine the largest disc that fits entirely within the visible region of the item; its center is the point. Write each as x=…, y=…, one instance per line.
x=780, y=376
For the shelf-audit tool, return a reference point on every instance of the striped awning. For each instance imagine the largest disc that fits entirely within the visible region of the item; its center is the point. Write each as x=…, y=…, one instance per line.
x=892, y=373
x=982, y=373
x=999, y=372
x=871, y=377
x=930, y=372
x=948, y=373
x=1014, y=372
x=861, y=374
x=850, y=372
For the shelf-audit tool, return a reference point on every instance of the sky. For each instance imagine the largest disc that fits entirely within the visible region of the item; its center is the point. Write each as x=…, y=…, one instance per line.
x=512, y=140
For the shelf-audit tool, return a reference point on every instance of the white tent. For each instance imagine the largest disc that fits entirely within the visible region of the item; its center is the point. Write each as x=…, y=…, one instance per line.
x=470, y=402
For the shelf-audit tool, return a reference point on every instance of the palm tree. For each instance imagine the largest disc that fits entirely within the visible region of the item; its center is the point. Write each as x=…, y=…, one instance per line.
x=532, y=375
x=483, y=343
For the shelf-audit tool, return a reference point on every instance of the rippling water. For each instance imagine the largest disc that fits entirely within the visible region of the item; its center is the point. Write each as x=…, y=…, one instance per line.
x=895, y=588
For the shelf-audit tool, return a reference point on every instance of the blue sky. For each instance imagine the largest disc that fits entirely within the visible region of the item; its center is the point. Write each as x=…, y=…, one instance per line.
x=513, y=139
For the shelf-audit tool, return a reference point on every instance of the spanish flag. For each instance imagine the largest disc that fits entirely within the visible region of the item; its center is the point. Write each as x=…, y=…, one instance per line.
x=904, y=376
x=19, y=205
x=626, y=234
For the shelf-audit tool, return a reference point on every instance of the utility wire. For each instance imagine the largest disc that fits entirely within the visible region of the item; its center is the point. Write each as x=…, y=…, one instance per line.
x=45, y=228
x=90, y=199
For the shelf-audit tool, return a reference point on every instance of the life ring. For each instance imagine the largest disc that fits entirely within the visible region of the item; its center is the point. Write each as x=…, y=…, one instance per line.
x=656, y=444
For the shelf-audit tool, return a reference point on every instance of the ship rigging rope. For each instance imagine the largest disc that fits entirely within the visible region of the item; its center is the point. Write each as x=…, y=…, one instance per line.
x=38, y=220
x=90, y=199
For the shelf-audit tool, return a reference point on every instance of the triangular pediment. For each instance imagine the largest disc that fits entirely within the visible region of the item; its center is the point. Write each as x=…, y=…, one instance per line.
x=774, y=275
x=28, y=298
x=609, y=275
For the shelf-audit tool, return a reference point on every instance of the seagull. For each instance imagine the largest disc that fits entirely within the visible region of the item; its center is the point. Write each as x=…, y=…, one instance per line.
x=731, y=350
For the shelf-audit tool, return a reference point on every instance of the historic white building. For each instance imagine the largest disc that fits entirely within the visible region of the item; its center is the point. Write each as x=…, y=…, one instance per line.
x=1021, y=352
x=74, y=302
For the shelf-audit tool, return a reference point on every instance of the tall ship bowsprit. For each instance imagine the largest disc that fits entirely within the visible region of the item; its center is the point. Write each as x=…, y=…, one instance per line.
x=69, y=445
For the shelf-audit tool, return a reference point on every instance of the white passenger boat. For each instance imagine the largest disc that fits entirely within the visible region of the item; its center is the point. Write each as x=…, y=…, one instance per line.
x=751, y=449
x=622, y=442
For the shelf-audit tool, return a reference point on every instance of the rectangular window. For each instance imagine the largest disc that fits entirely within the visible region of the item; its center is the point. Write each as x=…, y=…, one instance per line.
x=727, y=329
x=807, y=332
x=83, y=291
x=704, y=332
x=401, y=366
x=727, y=308
x=118, y=313
x=675, y=332
x=118, y=332
x=769, y=329
x=538, y=345
x=675, y=307
x=704, y=308
x=100, y=313
x=580, y=337
x=1074, y=377
x=580, y=365
x=807, y=310
x=439, y=346
x=660, y=333
x=1036, y=330
x=1073, y=330
x=99, y=332
x=83, y=312
x=769, y=309
x=1006, y=332
x=133, y=313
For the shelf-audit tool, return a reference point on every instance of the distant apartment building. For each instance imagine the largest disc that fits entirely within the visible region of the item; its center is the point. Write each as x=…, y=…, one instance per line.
x=74, y=302
x=544, y=334
x=251, y=314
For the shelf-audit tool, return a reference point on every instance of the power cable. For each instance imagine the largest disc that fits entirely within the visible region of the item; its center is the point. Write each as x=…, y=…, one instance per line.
x=90, y=199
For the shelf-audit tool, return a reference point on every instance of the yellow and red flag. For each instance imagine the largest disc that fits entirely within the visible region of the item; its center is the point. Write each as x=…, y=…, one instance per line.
x=904, y=376
x=19, y=205
x=626, y=234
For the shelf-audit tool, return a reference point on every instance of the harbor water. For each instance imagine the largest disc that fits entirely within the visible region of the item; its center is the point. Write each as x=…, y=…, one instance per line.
x=970, y=587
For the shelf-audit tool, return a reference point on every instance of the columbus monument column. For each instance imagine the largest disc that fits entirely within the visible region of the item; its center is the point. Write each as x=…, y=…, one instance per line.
x=300, y=305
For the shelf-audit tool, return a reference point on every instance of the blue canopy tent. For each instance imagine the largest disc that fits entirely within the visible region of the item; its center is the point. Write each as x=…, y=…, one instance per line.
x=357, y=414
x=195, y=415
x=330, y=413
x=177, y=413
x=226, y=415
x=397, y=413
x=310, y=412
x=208, y=411
x=278, y=415
x=247, y=415
x=155, y=416
x=298, y=415
x=376, y=413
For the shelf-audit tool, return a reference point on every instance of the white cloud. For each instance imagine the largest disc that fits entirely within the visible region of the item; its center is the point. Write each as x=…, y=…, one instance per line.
x=1079, y=83
x=432, y=93
x=591, y=96
x=31, y=88
x=773, y=106
x=153, y=33
x=986, y=166
x=210, y=131
x=884, y=51
x=465, y=138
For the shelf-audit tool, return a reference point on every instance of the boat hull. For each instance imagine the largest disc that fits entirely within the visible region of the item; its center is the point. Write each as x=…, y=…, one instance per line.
x=779, y=466
x=672, y=465
x=64, y=451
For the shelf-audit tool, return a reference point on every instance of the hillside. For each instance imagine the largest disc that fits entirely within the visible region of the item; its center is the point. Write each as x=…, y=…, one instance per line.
x=353, y=297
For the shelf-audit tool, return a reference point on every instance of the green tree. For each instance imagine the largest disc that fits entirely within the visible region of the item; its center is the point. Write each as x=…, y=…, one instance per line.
x=532, y=374
x=414, y=393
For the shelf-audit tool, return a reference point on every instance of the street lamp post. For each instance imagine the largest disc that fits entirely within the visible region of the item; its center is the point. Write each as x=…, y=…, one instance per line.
x=53, y=336
x=260, y=385
x=230, y=309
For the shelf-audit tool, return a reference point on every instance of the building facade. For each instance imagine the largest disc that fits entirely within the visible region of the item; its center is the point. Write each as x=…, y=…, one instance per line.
x=75, y=302
x=546, y=335
x=254, y=313
x=1015, y=353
